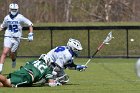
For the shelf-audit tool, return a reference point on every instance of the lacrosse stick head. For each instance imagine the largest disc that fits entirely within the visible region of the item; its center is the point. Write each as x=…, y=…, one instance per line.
x=63, y=79
x=108, y=38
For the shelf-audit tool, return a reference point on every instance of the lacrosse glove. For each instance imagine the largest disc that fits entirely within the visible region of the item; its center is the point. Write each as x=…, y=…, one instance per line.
x=81, y=67
x=53, y=84
x=30, y=36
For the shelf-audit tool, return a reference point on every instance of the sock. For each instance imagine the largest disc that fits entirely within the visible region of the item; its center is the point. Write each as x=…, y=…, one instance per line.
x=1, y=66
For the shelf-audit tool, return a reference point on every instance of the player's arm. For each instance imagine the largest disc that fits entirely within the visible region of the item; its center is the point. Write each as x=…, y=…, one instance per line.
x=73, y=66
x=30, y=29
x=30, y=35
x=3, y=25
x=30, y=24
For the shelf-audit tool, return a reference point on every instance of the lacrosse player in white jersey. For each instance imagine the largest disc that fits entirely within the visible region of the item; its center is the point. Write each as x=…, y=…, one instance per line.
x=62, y=57
x=13, y=22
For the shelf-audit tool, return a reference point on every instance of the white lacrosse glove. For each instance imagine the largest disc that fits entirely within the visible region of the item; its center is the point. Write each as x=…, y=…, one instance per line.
x=53, y=84
x=81, y=67
x=30, y=36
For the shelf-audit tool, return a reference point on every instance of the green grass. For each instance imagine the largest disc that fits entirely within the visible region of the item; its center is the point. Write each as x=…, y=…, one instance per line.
x=101, y=76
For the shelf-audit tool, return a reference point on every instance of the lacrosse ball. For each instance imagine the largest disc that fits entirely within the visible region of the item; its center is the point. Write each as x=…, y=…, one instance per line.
x=131, y=39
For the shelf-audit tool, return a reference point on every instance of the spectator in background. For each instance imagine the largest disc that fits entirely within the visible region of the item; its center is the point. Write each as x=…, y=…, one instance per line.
x=13, y=33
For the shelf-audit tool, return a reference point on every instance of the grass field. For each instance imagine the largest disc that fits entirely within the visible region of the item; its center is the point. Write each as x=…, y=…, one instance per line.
x=101, y=76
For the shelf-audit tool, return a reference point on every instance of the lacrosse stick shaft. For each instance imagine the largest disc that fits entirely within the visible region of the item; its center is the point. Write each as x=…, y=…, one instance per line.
x=98, y=49
x=87, y=62
x=23, y=38
x=60, y=77
x=16, y=37
x=106, y=41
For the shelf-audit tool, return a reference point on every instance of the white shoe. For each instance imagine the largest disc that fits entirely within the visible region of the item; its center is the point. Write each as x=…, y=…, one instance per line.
x=13, y=64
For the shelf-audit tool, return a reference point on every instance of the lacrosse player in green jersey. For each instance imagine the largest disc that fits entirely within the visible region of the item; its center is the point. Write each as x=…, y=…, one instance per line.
x=32, y=72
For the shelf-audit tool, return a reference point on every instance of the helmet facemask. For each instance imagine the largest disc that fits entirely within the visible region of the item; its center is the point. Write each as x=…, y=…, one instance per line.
x=13, y=9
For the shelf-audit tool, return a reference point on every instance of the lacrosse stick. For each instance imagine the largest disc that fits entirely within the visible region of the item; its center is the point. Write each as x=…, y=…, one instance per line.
x=17, y=37
x=23, y=38
x=106, y=41
x=43, y=81
x=58, y=78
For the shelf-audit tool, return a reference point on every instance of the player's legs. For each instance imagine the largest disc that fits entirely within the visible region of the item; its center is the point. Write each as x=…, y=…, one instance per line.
x=6, y=49
x=20, y=78
x=13, y=58
x=3, y=56
x=13, y=53
x=4, y=82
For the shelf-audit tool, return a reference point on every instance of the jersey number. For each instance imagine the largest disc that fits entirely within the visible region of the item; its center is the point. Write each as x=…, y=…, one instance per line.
x=59, y=49
x=13, y=28
x=40, y=66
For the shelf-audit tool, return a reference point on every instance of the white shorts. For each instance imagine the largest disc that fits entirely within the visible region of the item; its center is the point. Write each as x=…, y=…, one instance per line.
x=12, y=43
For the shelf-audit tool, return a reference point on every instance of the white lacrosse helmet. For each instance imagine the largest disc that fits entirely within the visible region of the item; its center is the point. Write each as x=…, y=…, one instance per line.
x=13, y=8
x=74, y=44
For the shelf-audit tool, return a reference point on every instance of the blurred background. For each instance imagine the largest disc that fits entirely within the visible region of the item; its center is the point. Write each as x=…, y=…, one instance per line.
x=40, y=11
x=79, y=13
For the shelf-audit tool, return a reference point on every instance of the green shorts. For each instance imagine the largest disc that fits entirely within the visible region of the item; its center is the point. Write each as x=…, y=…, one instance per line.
x=20, y=78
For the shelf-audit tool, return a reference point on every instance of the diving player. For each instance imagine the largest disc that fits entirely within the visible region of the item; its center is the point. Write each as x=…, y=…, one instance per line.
x=29, y=74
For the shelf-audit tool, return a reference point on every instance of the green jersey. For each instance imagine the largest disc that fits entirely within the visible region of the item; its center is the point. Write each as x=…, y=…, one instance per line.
x=39, y=69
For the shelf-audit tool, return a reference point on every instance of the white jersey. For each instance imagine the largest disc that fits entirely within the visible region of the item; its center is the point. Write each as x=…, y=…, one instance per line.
x=61, y=55
x=14, y=26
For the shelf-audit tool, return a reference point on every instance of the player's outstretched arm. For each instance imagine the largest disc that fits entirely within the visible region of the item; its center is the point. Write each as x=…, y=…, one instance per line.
x=73, y=66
